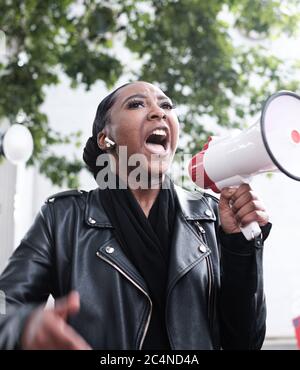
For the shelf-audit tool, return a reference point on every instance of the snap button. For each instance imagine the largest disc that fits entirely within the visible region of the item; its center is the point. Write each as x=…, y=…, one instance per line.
x=202, y=248
x=208, y=212
x=91, y=220
x=51, y=200
x=109, y=249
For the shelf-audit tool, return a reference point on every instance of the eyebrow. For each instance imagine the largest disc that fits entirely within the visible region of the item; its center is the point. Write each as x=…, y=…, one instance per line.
x=142, y=96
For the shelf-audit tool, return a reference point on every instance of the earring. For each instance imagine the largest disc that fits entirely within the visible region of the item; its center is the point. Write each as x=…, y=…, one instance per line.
x=109, y=143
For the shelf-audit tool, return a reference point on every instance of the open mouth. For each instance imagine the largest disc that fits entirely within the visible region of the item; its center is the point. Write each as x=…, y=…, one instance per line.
x=158, y=141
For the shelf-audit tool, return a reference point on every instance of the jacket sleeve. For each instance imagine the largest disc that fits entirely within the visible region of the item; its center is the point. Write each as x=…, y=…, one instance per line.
x=242, y=306
x=26, y=281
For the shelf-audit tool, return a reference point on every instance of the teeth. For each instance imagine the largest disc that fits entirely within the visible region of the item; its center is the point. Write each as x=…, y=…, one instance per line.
x=159, y=132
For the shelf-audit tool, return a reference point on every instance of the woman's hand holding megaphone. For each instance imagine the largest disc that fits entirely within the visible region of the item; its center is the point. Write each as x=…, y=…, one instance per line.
x=239, y=207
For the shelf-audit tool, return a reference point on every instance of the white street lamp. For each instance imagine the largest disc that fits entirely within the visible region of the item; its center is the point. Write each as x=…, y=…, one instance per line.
x=17, y=144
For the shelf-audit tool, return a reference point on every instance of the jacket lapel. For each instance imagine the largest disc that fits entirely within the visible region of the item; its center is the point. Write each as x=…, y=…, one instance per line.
x=186, y=243
x=110, y=251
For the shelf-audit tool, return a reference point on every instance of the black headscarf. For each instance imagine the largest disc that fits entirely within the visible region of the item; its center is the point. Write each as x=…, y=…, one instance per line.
x=146, y=242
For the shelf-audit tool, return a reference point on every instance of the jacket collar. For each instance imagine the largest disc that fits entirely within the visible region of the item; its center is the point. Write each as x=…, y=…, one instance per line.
x=192, y=205
x=95, y=214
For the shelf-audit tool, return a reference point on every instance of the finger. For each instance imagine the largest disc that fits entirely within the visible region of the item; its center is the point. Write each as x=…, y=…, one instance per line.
x=46, y=341
x=249, y=207
x=244, y=188
x=261, y=217
x=47, y=335
x=227, y=193
x=68, y=305
x=65, y=337
x=243, y=199
x=225, y=198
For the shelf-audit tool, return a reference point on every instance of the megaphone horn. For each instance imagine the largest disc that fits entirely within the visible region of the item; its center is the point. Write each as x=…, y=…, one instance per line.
x=271, y=144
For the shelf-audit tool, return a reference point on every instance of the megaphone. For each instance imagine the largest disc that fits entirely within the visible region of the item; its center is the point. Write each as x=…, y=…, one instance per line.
x=271, y=144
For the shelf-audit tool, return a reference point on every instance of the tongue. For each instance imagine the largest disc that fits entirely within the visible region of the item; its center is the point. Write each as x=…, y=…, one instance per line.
x=155, y=148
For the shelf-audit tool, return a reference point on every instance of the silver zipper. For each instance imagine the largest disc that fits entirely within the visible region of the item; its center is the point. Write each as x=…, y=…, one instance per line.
x=209, y=268
x=210, y=275
x=201, y=229
x=136, y=285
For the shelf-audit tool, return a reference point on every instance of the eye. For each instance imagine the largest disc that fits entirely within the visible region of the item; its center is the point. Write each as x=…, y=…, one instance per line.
x=133, y=104
x=167, y=105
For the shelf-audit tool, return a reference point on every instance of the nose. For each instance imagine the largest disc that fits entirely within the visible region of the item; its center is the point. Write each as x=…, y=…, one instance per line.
x=156, y=114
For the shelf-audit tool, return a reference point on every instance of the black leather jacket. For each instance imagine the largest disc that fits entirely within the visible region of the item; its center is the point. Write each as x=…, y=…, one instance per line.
x=215, y=291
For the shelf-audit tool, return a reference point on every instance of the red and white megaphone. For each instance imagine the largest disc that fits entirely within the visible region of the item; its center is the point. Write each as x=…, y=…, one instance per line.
x=272, y=144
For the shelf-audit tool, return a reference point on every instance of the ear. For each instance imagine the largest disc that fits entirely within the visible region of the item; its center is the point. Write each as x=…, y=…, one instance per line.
x=101, y=140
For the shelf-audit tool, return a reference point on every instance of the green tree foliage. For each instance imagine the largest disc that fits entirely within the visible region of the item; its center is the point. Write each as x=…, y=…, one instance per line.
x=200, y=52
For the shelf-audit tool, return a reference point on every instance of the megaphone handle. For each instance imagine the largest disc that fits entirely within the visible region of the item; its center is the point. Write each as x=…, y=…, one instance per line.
x=251, y=230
